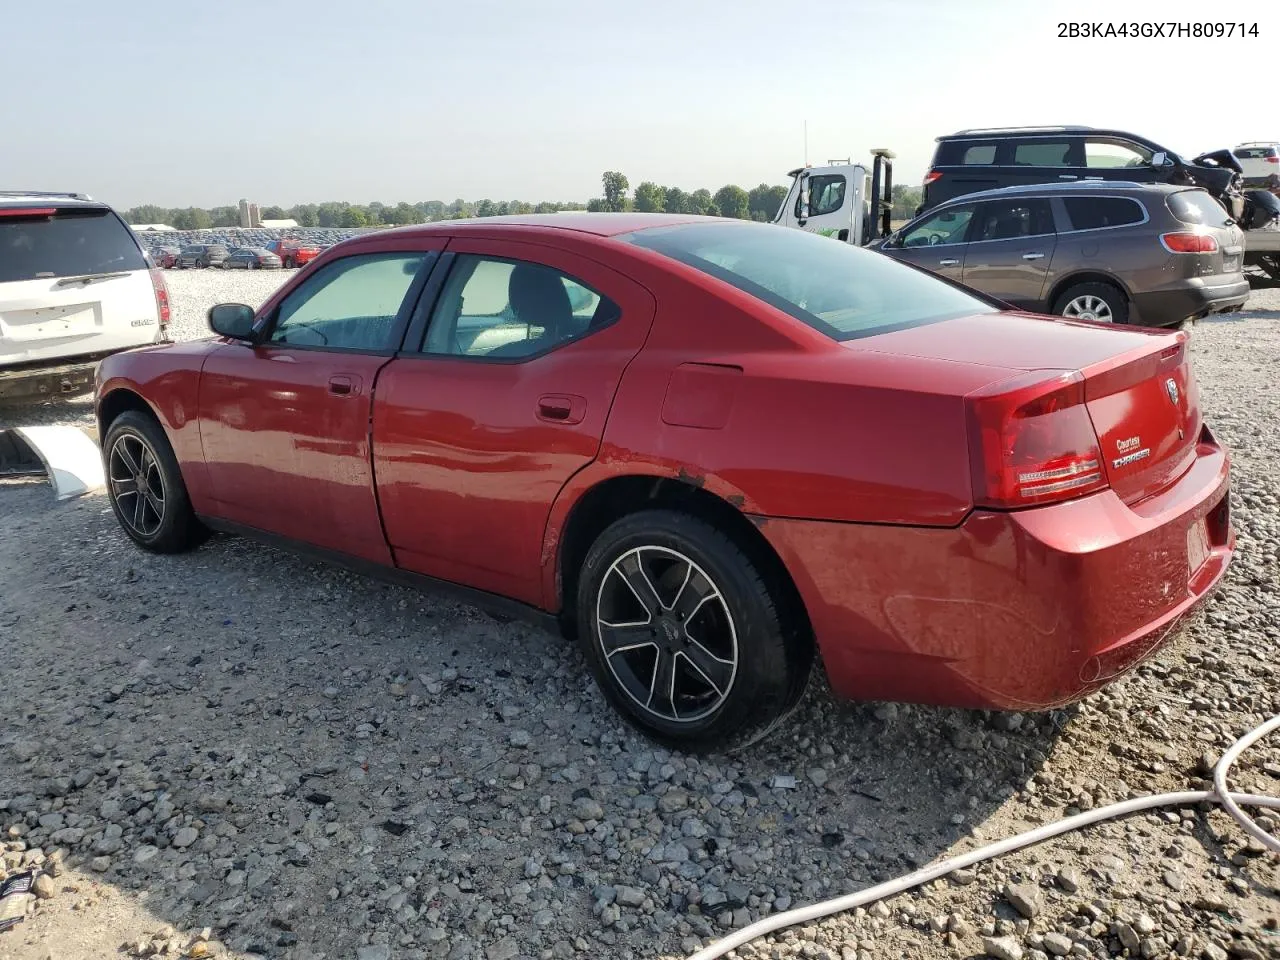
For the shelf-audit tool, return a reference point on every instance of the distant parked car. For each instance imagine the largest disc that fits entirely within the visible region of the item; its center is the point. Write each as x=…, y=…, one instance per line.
x=251, y=258
x=1149, y=254
x=199, y=255
x=293, y=252
x=1258, y=161
x=165, y=257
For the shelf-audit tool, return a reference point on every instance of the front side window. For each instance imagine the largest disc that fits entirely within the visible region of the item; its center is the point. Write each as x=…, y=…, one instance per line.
x=351, y=304
x=1044, y=153
x=945, y=226
x=1011, y=219
x=509, y=309
x=1110, y=154
x=836, y=288
x=826, y=195
x=1094, y=213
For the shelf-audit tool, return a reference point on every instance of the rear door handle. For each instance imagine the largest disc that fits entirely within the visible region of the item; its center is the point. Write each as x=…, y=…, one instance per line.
x=947, y=263
x=344, y=385
x=562, y=408
x=1067, y=176
x=1033, y=256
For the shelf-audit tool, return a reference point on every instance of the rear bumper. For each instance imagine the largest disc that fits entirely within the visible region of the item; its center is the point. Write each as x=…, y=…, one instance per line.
x=1027, y=610
x=1196, y=297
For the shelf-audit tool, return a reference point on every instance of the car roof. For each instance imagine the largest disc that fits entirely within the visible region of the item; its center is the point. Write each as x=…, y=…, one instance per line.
x=1117, y=187
x=597, y=224
x=992, y=133
x=27, y=198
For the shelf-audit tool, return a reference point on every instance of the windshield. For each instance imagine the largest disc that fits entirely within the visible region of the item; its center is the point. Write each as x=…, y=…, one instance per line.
x=838, y=289
x=68, y=244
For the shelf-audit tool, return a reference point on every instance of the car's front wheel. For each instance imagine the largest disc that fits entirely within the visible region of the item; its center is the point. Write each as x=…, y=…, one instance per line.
x=1099, y=302
x=684, y=634
x=145, y=486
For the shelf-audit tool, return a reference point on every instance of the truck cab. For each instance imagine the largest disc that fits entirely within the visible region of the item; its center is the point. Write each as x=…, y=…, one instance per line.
x=842, y=200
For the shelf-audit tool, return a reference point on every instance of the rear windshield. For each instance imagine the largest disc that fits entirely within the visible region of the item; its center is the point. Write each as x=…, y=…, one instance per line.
x=1196, y=206
x=68, y=244
x=838, y=289
x=1256, y=153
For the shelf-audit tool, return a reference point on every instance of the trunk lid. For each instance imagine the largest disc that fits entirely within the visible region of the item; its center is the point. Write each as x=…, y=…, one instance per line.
x=1145, y=407
x=1139, y=389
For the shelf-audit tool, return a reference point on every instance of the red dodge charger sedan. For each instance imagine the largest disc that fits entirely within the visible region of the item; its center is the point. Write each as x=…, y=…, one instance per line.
x=708, y=450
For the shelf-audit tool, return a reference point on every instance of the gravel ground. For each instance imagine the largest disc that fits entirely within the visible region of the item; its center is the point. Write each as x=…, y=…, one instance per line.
x=239, y=752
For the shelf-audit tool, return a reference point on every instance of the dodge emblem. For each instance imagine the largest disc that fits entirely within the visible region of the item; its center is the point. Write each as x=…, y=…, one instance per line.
x=1171, y=387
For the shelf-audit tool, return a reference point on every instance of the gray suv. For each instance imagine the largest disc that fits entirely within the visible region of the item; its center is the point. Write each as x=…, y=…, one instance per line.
x=1148, y=254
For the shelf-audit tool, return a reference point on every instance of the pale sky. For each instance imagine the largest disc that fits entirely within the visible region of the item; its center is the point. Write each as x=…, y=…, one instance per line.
x=195, y=103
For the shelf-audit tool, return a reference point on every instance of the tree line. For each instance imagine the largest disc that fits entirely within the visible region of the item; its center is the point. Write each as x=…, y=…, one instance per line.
x=760, y=203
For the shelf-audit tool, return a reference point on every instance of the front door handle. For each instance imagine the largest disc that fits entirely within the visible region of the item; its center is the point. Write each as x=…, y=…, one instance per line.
x=344, y=385
x=1067, y=176
x=562, y=408
x=948, y=263
x=1033, y=256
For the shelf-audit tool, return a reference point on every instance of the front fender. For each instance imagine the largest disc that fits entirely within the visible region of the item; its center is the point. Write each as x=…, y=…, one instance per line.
x=165, y=380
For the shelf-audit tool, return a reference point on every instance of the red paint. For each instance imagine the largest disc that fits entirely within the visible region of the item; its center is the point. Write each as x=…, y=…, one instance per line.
x=855, y=459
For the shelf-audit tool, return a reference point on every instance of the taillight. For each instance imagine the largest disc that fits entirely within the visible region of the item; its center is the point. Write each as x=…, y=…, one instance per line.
x=1275, y=159
x=1032, y=442
x=162, y=296
x=1186, y=242
x=931, y=176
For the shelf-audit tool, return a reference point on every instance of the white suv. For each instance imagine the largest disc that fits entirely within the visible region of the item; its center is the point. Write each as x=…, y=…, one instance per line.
x=75, y=286
x=1258, y=160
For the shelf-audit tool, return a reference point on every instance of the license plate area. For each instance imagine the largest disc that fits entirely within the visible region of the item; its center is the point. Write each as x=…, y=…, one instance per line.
x=1230, y=264
x=1198, y=548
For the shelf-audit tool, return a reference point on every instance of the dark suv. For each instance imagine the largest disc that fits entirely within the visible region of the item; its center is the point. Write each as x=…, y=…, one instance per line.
x=988, y=159
x=197, y=255
x=1150, y=254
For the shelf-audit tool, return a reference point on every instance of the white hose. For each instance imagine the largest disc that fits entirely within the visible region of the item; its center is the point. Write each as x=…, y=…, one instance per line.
x=1230, y=801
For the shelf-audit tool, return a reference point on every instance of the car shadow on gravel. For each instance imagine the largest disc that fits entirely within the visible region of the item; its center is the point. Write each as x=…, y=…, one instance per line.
x=305, y=760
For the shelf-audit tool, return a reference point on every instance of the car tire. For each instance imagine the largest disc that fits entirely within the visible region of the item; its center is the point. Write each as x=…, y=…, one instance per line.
x=1098, y=302
x=756, y=668
x=135, y=445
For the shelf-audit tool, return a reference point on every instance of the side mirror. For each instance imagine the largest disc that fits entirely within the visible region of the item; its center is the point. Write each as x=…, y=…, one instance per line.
x=804, y=198
x=234, y=320
x=1161, y=159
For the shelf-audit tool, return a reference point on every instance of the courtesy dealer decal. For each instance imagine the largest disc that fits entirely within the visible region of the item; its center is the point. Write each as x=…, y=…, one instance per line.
x=1124, y=446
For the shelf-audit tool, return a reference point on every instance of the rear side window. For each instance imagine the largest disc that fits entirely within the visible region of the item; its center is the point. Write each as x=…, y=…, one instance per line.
x=965, y=153
x=1196, y=206
x=68, y=244
x=1055, y=153
x=837, y=289
x=1094, y=213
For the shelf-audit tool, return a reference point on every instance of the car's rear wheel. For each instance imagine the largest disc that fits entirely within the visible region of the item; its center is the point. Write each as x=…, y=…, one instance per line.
x=684, y=634
x=1099, y=302
x=145, y=486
